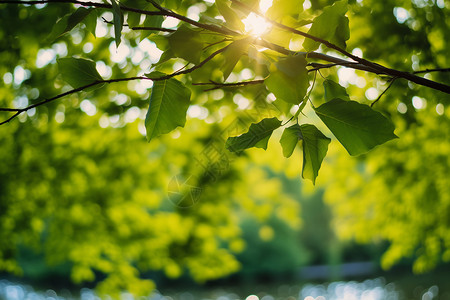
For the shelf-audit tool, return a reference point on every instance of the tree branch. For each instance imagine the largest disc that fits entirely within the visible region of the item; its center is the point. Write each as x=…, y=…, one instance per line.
x=432, y=70
x=141, y=27
x=219, y=85
x=374, y=66
x=162, y=12
x=18, y=111
x=363, y=63
x=389, y=86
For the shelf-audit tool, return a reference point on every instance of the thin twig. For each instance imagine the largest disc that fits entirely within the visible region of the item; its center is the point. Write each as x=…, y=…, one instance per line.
x=141, y=27
x=216, y=43
x=317, y=66
x=219, y=85
x=389, y=86
x=363, y=63
x=381, y=69
x=295, y=31
x=432, y=70
x=152, y=28
x=162, y=12
x=170, y=13
x=168, y=76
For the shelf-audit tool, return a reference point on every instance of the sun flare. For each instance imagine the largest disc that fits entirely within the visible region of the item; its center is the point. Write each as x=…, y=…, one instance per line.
x=256, y=25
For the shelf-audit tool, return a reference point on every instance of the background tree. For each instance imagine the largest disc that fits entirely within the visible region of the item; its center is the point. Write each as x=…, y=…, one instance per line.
x=400, y=192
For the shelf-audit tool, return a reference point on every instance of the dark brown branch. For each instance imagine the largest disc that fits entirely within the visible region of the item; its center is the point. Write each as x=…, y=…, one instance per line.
x=363, y=64
x=21, y=110
x=317, y=66
x=168, y=76
x=162, y=12
x=432, y=70
x=152, y=28
x=141, y=27
x=295, y=31
x=83, y=3
x=219, y=85
x=374, y=66
x=316, y=55
x=169, y=13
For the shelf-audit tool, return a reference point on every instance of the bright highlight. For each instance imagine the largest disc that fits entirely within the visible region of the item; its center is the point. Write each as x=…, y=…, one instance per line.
x=256, y=25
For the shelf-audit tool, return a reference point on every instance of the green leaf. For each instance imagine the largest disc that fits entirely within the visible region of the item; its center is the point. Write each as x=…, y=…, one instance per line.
x=187, y=44
x=133, y=19
x=232, y=19
x=331, y=25
x=315, y=147
x=283, y=8
x=151, y=21
x=357, y=127
x=289, y=82
x=68, y=22
x=253, y=4
x=342, y=33
x=289, y=139
x=233, y=53
x=169, y=102
x=91, y=22
x=334, y=90
x=118, y=21
x=78, y=72
x=257, y=136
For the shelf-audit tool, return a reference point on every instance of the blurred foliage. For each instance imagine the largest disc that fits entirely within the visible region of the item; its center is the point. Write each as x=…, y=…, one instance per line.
x=80, y=185
x=400, y=191
x=95, y=195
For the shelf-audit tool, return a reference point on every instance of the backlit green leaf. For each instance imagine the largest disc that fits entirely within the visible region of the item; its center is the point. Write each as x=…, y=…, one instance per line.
x=151, y=21
x=68, y=22
x=133, y=19
x=169, y=102
x=289, y=82
x=232, y=19
x=315, y=147
x=283, y=8
x=257, y=136
x=357, y=127
x=334, y=90
x=91, y=21
x=253, y=4
x=233, y=53
x=78, y=72
x=331, y=25
x=314, y=143
x=187, y=44
x=289, y=139
x=118, y=21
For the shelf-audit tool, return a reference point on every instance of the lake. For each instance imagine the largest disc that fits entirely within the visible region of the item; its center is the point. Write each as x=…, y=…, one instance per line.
x=370, y=289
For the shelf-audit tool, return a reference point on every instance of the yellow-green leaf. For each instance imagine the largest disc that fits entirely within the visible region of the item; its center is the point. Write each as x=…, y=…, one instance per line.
x=314, y=144
x=231, y=18
x=331, y=25
x=289, y=82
